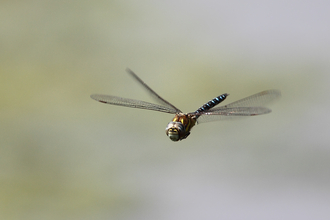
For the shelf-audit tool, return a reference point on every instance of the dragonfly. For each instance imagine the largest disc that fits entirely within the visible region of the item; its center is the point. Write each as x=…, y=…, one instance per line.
x=182, y=123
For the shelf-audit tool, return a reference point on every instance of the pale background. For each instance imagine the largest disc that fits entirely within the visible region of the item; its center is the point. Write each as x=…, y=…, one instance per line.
x=65, y=156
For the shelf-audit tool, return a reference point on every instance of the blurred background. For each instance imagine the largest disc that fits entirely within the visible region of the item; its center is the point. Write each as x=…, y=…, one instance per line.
x=65, y=156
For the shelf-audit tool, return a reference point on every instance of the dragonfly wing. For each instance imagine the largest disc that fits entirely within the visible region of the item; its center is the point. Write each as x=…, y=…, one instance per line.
x=231, y=113
x=157, y=97
x=249, y=106
x=256, y=100
x=132, y=103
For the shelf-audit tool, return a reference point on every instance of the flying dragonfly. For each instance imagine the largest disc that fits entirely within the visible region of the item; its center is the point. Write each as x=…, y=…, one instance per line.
x=180, y=126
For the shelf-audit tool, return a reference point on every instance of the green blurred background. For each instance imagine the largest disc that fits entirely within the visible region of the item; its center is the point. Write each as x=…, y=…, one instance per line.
x=65, y=156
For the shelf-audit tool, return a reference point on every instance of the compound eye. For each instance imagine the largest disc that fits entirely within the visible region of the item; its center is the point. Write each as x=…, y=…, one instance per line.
x=175, y=130
x=173, y=134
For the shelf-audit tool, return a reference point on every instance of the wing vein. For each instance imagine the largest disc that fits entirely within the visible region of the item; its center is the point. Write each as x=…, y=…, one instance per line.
x=132, y=103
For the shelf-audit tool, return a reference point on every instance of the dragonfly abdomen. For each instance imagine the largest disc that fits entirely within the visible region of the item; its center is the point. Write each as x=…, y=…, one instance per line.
x=210, y=104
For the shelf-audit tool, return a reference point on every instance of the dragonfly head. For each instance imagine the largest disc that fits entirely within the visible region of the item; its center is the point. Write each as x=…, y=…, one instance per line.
x=175, y=130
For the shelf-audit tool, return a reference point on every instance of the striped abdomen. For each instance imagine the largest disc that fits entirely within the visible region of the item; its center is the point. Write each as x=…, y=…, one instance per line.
x=210, y=104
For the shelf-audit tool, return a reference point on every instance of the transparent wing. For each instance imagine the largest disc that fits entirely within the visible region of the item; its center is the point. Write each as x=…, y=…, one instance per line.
x=249, y=106
x=260, y=99
x=232, y=113
x=153, y=93
x=132, y=103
